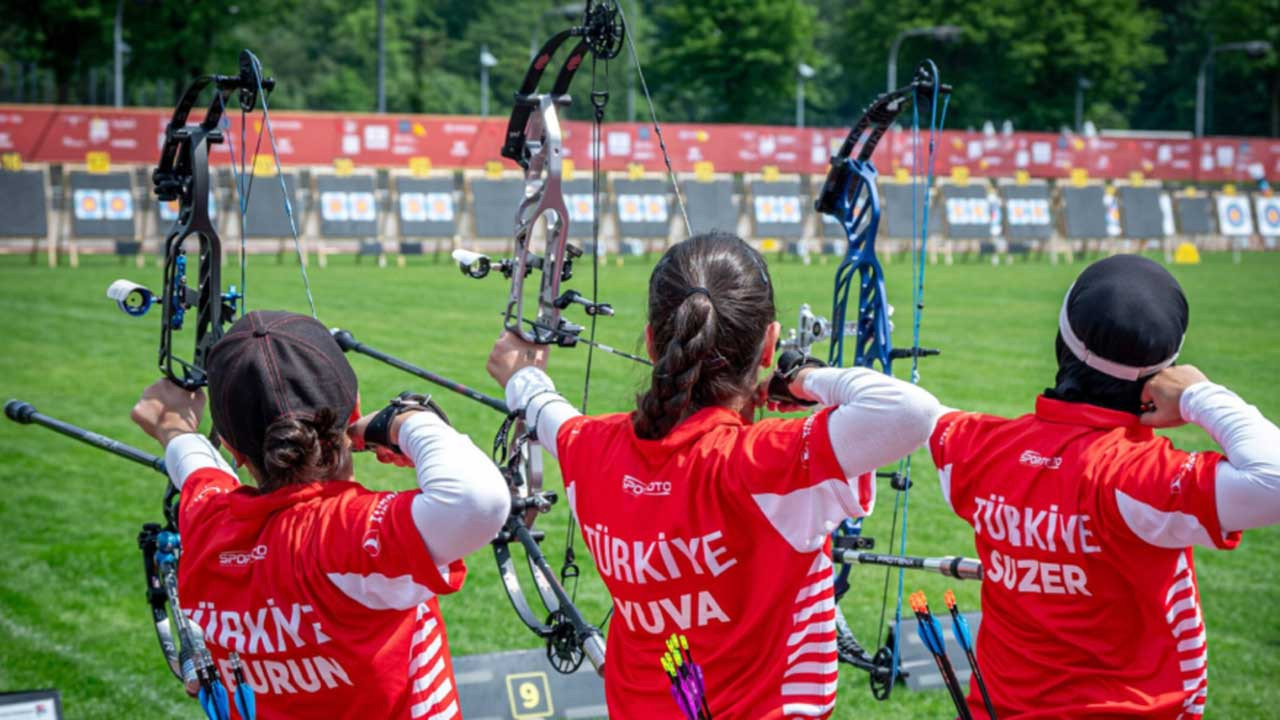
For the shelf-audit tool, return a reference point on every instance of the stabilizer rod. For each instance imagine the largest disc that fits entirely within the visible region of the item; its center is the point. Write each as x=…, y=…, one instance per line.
x=960, y=568
x=348, y=343
x=26, y=414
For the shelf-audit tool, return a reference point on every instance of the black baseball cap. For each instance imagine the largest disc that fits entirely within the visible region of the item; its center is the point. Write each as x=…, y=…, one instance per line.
x=270, y=365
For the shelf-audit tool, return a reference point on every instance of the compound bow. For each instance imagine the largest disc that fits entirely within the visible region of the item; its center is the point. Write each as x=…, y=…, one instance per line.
x=534, y=140
x=849, y=194
x=182, y=175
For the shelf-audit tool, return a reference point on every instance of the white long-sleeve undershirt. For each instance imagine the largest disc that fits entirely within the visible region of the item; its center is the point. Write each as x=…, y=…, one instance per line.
x=1248, y=480
x=464, y=500
x=878, y=419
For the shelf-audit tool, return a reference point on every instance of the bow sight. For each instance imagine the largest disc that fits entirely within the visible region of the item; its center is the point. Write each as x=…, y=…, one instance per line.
x=809, y=329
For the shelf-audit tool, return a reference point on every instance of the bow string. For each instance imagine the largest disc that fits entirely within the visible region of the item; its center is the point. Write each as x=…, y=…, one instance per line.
x=851, y=196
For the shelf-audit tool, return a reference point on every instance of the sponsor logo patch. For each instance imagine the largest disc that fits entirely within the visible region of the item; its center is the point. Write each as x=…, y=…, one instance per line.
x=637, y=487
x=242, y=557
x=1031, y=458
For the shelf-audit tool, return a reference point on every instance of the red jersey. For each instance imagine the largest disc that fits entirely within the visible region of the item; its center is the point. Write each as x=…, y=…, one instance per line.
x=325, y=590
x=719, y=531
x=1084, y=519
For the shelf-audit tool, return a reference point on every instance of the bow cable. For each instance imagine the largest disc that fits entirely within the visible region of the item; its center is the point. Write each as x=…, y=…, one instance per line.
x=920, y=165
x=245, y=187
x=657, y=128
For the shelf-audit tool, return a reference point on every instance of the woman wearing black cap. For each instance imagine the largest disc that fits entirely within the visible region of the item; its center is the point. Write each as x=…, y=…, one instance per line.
x=1084, y=519
x=325, y=590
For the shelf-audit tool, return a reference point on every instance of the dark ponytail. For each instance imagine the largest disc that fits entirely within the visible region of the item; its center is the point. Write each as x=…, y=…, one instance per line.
x=300, y=450
x=710, y=303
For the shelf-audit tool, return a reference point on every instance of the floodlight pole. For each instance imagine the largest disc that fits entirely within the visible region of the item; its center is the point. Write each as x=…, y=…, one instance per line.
x=382, y=57
x=1082, y=84
x=803, y=72
x=487, y=60
x=117, y=52
x=1252, y=48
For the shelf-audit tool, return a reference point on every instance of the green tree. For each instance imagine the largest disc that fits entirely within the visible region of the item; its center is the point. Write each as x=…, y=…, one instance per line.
x=64, y=36
x=731, y=60
x=1016, y=59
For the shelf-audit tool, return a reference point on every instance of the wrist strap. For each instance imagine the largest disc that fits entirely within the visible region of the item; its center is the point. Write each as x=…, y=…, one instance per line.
x=790, y=363
x=378, y=432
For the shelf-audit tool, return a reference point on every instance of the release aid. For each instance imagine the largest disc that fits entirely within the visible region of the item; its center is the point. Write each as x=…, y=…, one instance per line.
x=131, y=297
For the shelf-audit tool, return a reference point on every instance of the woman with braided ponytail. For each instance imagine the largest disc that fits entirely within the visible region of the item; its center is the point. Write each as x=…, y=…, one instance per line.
x=703, y=522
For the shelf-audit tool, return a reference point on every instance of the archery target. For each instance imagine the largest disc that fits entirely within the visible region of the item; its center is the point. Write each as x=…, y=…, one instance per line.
x=1233, y=216
x=1028, y=211
x=968, y=211
x=413, y=206
x=333, y=206
x=655, y=208
x=631, y=208
x=779, y=209
x=88, y=204
x=361, y=207
x=117, y=204
x=1268, y=208
x=1113, y=215
x=789, y=209
x=982, y=211
x=439, y=206
x=581, y=207
x=169, y=210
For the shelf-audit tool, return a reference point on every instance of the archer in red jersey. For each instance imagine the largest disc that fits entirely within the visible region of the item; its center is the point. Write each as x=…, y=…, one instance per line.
x=704, y=523
x=1085, y=520
x=324, y=589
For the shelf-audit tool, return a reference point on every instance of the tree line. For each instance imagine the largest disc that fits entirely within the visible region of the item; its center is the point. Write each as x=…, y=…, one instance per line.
x=1132, y=63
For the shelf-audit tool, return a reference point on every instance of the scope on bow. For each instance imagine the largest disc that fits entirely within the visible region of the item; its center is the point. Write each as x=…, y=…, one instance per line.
x=809, y=329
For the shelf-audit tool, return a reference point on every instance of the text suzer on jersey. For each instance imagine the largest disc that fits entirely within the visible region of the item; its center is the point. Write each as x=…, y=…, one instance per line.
x=274, y=629
x=662, y=560
x=1016, y=528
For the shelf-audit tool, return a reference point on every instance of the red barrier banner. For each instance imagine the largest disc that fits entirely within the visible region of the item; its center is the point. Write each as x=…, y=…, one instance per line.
x=64, y=134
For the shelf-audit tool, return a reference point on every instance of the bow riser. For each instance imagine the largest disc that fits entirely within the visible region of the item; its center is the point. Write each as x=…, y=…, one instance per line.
x=544, y=199
x=183, y=175
x=193, y=219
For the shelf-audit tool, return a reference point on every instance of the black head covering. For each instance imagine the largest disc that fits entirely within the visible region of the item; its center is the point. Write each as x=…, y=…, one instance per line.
x=273, y=364
x=1122, y=321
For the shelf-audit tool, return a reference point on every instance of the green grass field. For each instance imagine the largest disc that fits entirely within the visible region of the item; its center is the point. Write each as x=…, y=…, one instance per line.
x=72, y=613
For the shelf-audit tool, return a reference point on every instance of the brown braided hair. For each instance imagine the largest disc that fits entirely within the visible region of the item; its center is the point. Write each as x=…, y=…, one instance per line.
x=710, y=304
x=300, y=450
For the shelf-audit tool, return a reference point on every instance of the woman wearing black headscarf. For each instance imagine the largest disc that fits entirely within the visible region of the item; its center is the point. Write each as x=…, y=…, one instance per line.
x=1085, y=520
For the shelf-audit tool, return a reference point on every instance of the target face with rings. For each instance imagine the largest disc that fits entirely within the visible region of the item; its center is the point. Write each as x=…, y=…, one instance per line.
x=1233, y=215
x=1268, y=208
